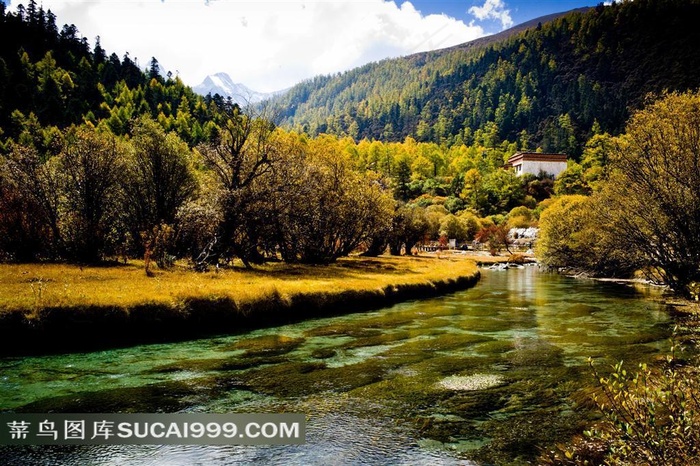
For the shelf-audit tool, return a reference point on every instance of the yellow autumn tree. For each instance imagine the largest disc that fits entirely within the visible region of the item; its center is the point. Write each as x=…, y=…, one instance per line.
x=653, y=193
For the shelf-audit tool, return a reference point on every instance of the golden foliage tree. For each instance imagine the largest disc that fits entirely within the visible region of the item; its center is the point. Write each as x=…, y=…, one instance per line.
x=325, y=209
x=241, y=161
x=574, y=235
x=90, y=167
x=653, y=193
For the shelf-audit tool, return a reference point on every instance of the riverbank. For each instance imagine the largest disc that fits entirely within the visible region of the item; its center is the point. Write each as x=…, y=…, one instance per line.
x=630, y=397
x=484, y=259
x=56, y=307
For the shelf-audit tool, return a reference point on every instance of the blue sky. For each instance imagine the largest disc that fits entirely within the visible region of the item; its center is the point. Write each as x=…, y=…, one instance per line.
x=520, y=10
x=273, y=44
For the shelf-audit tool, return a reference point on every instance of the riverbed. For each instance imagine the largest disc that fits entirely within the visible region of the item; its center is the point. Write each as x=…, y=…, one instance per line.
x=485, y=376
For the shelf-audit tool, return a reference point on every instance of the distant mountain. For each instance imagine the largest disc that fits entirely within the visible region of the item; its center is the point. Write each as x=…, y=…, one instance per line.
x=222, y=84
x=548, y=83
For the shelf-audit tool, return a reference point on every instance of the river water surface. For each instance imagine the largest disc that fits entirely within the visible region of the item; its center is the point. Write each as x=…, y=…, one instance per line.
x=485, y=376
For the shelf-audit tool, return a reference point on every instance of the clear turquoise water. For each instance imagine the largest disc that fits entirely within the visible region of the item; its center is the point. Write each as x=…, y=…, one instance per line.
x=375, y=385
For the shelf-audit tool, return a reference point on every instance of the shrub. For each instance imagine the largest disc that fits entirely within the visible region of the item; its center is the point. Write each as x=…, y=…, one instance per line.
x=497, y=238
x=517, y=259
x=541, y=207
x=454, y=228
x=519, y=221
x=424, y=200
x=471, y=222
x=652, y=191
x=651, y=417
x=497, y=219
x=520, y=211
x=562, y=239
x=572, y=235
x=454, y=204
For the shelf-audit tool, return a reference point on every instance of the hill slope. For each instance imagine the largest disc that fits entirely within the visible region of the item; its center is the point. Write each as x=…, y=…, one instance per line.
x=54, y=79
x=545, y=86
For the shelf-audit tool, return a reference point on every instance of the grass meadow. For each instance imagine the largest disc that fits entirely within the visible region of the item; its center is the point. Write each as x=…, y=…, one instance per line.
x=29, y=288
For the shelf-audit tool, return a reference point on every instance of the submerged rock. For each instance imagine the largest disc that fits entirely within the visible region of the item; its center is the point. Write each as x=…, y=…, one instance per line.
x=505, y=266
x=471, y=382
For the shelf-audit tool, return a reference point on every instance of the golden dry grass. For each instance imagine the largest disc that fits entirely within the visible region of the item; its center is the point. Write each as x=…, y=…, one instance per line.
x=32, y=287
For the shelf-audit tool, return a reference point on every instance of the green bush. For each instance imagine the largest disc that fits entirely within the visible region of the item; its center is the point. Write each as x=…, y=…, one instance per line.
x=520, y=217
x=521, y=211
x=471, y=222
x=454, y=204
x=573, y=236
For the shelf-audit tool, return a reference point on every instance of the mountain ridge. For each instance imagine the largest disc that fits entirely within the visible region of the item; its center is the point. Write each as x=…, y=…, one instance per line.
x=548, y=85
x=507, y=33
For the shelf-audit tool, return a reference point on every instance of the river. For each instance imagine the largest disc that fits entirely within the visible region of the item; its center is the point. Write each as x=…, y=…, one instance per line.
x=485, y=376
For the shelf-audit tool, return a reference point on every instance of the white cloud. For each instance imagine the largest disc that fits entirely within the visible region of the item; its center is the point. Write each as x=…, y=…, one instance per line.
x=493, y=9
x=268, y=45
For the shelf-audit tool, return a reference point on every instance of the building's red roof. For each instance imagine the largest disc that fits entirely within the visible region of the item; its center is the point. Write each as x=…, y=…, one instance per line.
x=535, y=157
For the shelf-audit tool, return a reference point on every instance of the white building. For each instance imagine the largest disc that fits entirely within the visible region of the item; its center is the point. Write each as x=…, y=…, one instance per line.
x=536, y=163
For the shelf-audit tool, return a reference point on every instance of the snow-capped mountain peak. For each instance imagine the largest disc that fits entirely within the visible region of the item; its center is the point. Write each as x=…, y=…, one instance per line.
x=222, y=84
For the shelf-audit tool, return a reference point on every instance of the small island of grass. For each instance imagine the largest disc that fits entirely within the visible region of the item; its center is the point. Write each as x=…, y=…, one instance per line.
x=59, y=307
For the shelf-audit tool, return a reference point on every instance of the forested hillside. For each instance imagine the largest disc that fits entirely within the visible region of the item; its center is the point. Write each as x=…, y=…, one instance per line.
x=50, y=79
x=101, y=160
x=544, y=87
